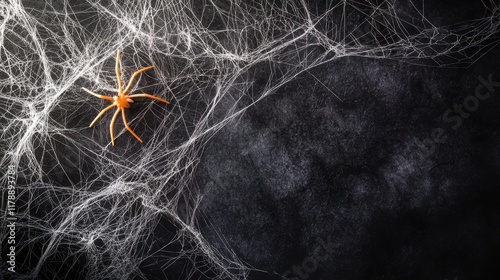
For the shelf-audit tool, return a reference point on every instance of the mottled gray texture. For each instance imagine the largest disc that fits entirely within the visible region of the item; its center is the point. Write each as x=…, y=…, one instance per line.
x=302, y=165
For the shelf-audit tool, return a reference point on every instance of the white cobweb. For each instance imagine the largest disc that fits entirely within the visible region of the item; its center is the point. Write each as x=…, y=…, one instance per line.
x=82, y=201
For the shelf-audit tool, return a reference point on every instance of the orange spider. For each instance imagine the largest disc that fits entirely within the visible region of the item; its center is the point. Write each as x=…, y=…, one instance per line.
x=122, y=99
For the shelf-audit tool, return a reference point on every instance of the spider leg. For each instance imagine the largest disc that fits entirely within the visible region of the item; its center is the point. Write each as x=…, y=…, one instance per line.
x=128, y=127
x=149, y=96
x=111, y=126
x=135, y=75
x=117, y=70
x=98, y=95
x=102, y=113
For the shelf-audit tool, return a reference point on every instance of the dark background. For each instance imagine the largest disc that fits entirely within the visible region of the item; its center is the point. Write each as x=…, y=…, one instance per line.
x=359, y=171
x=303, y=165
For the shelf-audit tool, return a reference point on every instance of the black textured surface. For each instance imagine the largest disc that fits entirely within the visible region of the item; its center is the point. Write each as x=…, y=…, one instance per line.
x=359, y=168
x=303, y=165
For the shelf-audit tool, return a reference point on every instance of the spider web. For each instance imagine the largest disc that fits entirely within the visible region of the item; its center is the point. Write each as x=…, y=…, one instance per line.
x=83, y=204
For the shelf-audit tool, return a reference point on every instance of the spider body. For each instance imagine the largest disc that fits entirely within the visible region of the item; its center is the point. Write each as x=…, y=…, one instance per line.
x=122, y=100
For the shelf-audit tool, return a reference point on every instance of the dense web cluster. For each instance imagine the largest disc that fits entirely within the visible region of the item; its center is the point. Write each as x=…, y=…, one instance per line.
x=81, y=201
